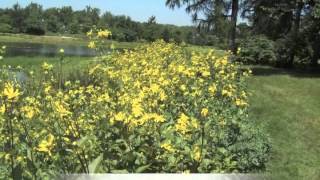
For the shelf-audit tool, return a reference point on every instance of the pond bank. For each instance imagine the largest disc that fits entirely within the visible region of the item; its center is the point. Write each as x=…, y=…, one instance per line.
x=59, y=40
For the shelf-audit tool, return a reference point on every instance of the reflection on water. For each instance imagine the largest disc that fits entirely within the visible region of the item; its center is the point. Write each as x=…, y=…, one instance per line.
x=34, y=49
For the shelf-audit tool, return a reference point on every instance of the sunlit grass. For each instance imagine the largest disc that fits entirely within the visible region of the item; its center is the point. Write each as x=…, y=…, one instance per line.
x=287, y=104
x=34, y=63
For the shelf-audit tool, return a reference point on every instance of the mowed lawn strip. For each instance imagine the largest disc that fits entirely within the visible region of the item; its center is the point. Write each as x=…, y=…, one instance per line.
x=287, y=105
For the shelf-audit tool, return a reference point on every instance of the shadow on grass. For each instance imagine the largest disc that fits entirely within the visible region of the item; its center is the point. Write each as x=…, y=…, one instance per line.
x=294, y=72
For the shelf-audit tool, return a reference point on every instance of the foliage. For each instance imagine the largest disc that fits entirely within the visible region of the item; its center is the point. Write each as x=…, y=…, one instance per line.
x=157, y=108
x=6, y=28
x=212, y=16
x=34, y=22
x=257, y=50
x=293, y=25
x=303, y=51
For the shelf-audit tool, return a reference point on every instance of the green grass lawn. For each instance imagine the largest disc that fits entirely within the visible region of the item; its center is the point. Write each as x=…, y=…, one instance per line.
x=287, y=105
x=22, y=38
x=59, y=40
x=34, y=63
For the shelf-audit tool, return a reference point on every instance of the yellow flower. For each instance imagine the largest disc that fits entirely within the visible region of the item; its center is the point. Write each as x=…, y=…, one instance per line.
x=168, y=147
x=120, y=116
x=104, y=33
x=45, y=66
x=226, y=93
x=206, y=73
x=11, y=93
x=2, y=109
x=59, y=108
x=92, y=45
x=155, y=88
x=158, y=118
x=89, y=33
x=212, y=89
x=46, y=145
x=240, y=102
x=204, y=112
x=183, y=87
x=29, y=112
x=19, y=159
x=7, y=156
x=182, y=124
x=196, y=153
x=162, y=96
x=67, y=83
x=137, y=109
x=47, y=89
x=194, y=123
x=61, y=51
x=224, y=61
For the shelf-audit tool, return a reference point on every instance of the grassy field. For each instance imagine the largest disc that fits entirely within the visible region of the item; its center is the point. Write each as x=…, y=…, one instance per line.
x=20, y=38
x=56, y=40
x=287, y=105
x=70, y=64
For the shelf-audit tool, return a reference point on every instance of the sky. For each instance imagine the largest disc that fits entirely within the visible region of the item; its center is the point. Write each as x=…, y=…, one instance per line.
x=139, y=10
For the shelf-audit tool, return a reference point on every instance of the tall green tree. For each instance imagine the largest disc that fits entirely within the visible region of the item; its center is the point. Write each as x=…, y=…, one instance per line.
x=292, y=23
x=52, y=21
x=312, y=23
x=207, y=13
x=34, y=19
x=65, y=16
x=17, y=15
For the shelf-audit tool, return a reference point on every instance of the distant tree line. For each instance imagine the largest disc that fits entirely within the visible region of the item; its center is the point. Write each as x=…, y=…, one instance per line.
x=34, y=19
x=280, y=32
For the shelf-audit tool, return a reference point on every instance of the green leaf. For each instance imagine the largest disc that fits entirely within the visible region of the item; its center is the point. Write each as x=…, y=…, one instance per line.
x=82, y=141
x=93, y=166
x=141, y=169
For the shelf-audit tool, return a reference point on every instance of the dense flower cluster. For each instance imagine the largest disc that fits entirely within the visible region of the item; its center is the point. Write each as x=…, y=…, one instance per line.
x=158, y=108
x=97, y=37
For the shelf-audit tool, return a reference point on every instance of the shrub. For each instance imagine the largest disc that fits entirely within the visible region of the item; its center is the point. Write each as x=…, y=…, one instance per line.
x=5, y=28
x=301, y=47
x=257, y=50
x=33, y=30
x=157, y=108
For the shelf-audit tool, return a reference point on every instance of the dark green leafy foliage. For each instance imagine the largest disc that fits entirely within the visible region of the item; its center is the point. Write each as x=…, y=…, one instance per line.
x=257, y=50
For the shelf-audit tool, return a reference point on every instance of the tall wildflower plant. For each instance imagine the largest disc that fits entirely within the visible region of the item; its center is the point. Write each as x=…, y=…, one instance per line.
x=157, y=108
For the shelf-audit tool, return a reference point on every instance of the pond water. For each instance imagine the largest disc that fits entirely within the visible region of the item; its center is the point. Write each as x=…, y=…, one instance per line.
x=50, y=50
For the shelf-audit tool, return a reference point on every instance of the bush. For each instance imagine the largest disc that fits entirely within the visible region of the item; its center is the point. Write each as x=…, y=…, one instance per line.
x=35, y=30
x=258, y=50
x=302, y=51
x=157, y=108
x=5, y=28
